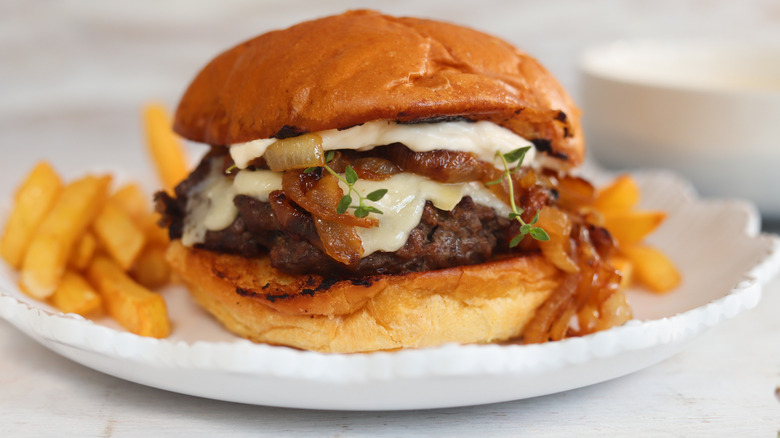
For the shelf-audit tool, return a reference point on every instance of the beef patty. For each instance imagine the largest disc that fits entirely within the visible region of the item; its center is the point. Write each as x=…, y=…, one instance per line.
x=471, y=233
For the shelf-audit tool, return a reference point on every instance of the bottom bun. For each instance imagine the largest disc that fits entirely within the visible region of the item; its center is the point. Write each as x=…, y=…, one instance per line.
x=482, y=303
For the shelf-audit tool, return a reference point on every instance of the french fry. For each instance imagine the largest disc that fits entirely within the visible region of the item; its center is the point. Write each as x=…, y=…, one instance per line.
x=653, y=268
x=622, y=195
x=75, y=295
x=165, y=148
x=132, y=200
x=33, y=200
x=151, y=269
x=630, y=227
x=118, y=234
x=134, y=307
x=155, y=234
x=83, y=252
x=57, y=235
x=45, y=260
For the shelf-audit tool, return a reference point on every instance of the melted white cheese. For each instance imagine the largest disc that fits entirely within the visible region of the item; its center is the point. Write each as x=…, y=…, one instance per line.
x=481, y=138
x=210, y=206
x=403, y=205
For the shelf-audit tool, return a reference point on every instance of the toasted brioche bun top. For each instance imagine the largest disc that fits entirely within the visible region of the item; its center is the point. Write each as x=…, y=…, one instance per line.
x=344, y=70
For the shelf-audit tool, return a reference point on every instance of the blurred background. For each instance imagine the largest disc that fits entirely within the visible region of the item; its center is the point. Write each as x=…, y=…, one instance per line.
x=74, y=74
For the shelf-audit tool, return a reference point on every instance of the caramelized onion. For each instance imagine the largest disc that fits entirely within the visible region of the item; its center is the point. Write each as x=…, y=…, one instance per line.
x=538, y=328
x=295, y=153
x=588, y=318
x=592, y=295
x=575, y=192
x=558, y=227
x=374, y=168
x=556, y=253
x=526, y=179
x=440, y=165
x=600, y=301
x=341, y=242
x=326, y=194
x=560, y=327
x=339, y=238
x=291, y=218
x=337, y=232
x=322, y=197
x=614, y=311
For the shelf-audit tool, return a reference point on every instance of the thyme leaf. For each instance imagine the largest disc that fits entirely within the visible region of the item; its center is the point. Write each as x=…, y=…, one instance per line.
x=350, y=178
x=516, y=157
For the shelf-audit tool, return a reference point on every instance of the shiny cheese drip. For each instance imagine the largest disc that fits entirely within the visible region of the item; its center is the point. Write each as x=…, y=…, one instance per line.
x=210, y=206
x=481, y=138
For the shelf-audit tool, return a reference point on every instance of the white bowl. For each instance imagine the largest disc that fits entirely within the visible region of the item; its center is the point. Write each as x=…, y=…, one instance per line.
x=707, y=109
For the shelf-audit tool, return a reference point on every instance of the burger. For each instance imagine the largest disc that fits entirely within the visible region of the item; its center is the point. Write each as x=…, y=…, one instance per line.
x=378, y=182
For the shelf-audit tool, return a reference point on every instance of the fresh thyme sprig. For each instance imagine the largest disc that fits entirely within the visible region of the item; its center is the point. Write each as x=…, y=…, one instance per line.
x=517, y=156
x=350, y=178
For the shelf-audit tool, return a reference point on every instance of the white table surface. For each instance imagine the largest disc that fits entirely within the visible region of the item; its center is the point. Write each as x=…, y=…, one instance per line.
x=72, y=77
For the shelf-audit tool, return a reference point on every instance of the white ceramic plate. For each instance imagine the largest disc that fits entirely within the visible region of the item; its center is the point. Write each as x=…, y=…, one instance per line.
x=694, y=106
x=725, y=262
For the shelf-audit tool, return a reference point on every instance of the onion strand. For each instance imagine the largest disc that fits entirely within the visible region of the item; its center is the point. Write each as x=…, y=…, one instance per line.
x=295, y=153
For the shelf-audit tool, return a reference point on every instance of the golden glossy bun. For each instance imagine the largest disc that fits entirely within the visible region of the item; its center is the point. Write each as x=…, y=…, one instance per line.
x=360, y=66
x=468, y=304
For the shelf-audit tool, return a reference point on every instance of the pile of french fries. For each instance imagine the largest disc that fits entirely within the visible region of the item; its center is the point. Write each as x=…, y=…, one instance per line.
x=88, y=250
x=637, y=261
